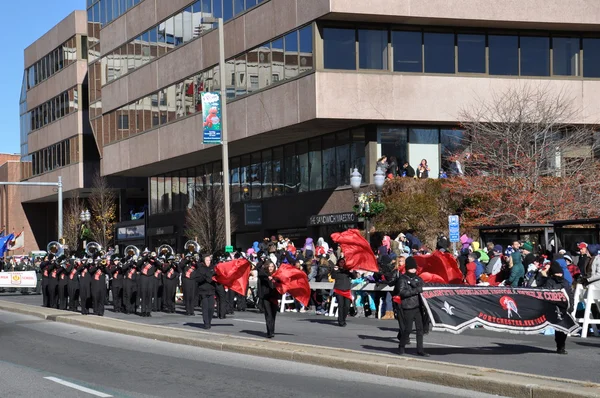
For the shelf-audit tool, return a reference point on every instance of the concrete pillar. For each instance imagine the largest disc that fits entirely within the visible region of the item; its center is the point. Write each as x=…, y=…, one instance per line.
x=372, y=153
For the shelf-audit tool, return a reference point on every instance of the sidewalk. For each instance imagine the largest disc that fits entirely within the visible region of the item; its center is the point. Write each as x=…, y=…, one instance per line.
x=469, y=377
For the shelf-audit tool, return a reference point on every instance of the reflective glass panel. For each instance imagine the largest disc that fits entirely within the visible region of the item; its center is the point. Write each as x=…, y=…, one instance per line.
x=339, y=48
x=439, y=52
x=372, y=49
x=535, y=56
x=471, y=53
x=408, y=51
x=504, y=55
x=565, y=56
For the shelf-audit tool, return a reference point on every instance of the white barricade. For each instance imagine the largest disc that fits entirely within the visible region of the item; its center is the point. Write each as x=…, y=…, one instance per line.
x=285, y=299
x=591, y=297
x=22, y=279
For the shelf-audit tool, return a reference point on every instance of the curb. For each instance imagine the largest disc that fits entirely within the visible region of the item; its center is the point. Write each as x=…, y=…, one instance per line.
x=486, y=380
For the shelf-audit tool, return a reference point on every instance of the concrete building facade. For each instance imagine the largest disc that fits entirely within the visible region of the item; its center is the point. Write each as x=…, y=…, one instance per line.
x=314, y=88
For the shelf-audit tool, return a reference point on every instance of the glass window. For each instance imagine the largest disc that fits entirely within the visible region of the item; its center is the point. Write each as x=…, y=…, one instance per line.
x=267, y=174
x=168, y=196
x=471, y=53
x=160, y=181
x=241, y=76
x=394, y=142
x=565, y=54
x=306, y=49
x=234, y=179
x=535, y=56
x=291, y=55
x=342, y=154
x=504, y=55
x=408, y=49
x=292, y=171
x=238, y=6
x=252, y=70
x=303, y=166
x=328, y=161
x=372, y=49
x=277, y=60
x=423, y=136
x=245, y=177
x=314, y=163
x=264, y=65
x=227, y=10
x=339, y=48
x=255, y=175
x=175, y=189
x=439, y=52
x=277, y=166
x=453, y=142
x=591, y=57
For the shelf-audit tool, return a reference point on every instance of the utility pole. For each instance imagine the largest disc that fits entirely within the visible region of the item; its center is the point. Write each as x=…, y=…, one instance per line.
x=224, y=143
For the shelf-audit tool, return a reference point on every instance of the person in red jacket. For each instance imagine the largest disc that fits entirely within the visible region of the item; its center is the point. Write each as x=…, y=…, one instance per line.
x=470, y=278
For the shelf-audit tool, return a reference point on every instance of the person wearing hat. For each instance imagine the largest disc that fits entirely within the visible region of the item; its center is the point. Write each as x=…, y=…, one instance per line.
x=517, y=271
x=495, y=265
x=98, y=285
x=115, y=271
x=171, y=279
x=585, y=260
x=410, y=287
x=188, y=282
x=556, y=281
x=528, y=256
x=206, y=290
x=147, y=269
x=341, y=289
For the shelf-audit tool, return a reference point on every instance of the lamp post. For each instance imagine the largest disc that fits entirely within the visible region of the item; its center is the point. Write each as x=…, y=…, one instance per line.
x=355, y=181
x=379, y=180
x=84, y=217
x=224, y=143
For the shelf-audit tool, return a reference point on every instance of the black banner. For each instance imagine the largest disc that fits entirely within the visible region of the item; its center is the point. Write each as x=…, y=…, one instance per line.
x=523, y=311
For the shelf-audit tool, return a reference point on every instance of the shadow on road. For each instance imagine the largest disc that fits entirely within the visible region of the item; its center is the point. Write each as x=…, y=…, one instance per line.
x=500, y=349
x=321, y=321
x=201, y=325
x=586, y=344
x=263, y=334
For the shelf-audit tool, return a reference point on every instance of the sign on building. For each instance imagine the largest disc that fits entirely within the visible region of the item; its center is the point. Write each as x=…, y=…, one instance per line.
x=211, y=117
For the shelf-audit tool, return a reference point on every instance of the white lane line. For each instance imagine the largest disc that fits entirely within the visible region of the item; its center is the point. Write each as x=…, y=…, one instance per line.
x=78, y=387
x=444, y=345
x=247, y=320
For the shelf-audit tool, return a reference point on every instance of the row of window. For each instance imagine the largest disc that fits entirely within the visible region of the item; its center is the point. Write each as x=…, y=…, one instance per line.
x=319, y=163
x=59, y=58
x=284, y=58
x=422, y=51
x=167, y=35
x=104, y=11
x=55, y=156
x=56, y=108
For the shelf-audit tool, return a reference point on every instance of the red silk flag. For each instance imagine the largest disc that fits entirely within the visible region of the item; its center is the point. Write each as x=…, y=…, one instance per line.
x=439, y=267
x=234, y=275
x=293, y=281
x=357, y=251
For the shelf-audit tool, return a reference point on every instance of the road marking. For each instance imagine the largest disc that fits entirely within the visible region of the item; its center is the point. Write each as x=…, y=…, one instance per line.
x=78, y=387
x=247, y=320
x=444, y=345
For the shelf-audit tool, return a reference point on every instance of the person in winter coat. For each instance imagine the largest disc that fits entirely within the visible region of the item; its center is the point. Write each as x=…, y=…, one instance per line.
x=585, y=260
x=408, y=170
x=410, y=287
x=321, y=243
x=269, y=295
x=342, y=288
x=561, y=259
x=471, y=277
x=206, y=289
x=556, y=281
x=494, y=266
x=392, y=170
x=516, y=270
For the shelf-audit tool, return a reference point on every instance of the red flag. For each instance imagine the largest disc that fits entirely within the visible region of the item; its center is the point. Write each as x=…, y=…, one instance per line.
x=439, y=268
x=293, y=281
x=234, y=275
x=357, y=250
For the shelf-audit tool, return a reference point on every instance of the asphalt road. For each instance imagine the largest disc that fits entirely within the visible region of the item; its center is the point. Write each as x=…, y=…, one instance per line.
x=49, y=359
x=478, y=347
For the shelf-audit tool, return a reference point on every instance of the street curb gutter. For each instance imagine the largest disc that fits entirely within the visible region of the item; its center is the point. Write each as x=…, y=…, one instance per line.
x=491, y=381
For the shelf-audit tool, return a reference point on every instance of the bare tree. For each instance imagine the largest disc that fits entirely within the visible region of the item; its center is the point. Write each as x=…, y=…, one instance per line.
x=529, y=158
x=205, y=220
x=72, y=224
x=104, y=211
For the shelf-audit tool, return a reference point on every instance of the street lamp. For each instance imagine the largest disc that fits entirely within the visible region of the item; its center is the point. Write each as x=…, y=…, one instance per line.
x=379, y=180
x=84, y=217
x=355, y=181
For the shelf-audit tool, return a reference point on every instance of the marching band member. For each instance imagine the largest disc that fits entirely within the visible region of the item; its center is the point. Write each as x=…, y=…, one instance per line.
x=147, y=270
x=207, y=289
x=98, y=285
x=189, y=283
x=115, y=270
x=85, y=287
x=171, y=279
x=130, y=283
x=73, y=283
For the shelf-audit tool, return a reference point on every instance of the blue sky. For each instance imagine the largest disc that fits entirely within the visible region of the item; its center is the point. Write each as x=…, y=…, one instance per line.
x=24, y=22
